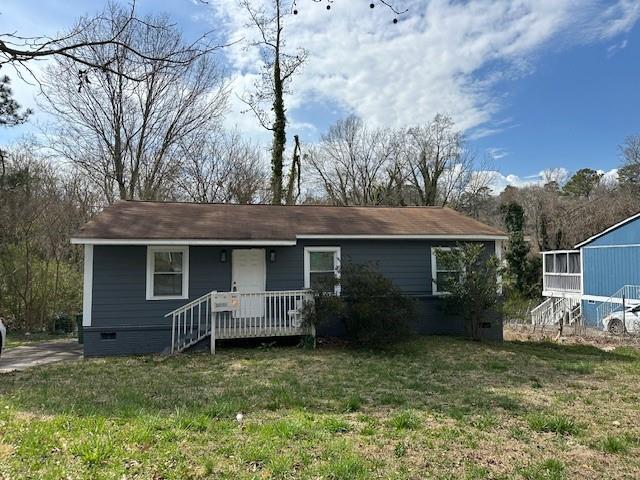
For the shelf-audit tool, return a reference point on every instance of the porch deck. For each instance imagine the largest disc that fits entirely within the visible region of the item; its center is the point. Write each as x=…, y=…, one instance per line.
x=231, y=315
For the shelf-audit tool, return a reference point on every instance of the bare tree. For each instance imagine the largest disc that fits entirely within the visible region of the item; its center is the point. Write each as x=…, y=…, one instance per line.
x=78, y=45
x=39, y=269
x=372, y=4
x=222, y=167
x=439, y=164
x=629, y=172
x=126, y=134
x=355, y=165
x=277, y=70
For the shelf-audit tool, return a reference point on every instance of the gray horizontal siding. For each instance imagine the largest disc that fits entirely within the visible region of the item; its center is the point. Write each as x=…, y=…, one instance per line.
x=119, y=286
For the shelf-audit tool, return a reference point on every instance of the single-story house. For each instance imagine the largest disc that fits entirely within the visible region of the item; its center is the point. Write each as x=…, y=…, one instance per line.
x=591, y=281
x=157, y=275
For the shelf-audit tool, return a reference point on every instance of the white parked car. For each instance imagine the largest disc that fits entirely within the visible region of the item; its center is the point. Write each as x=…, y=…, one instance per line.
x=3, y=336
x=613, y=323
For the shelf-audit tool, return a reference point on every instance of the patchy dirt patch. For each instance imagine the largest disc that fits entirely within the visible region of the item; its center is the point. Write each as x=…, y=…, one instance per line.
x=570, y=336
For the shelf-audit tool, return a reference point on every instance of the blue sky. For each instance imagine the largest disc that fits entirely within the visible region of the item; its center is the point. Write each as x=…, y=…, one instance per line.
x=535, y=84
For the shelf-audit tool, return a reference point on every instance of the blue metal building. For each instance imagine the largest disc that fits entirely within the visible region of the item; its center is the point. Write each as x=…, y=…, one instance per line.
x=595, y=278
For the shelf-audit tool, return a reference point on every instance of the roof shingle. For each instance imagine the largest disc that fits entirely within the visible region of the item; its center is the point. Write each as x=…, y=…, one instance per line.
x=128, y=220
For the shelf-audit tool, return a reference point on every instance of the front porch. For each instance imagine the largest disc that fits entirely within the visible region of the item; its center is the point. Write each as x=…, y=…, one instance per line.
x=231, y=315
x=562, y=277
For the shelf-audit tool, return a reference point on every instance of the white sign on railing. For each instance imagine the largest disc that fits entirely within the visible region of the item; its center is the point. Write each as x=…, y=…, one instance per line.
x=225, y=302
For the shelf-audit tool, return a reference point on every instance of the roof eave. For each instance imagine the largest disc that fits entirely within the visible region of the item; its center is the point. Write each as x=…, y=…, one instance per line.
x=178, y=241
x=285, y=243
x=608, y=230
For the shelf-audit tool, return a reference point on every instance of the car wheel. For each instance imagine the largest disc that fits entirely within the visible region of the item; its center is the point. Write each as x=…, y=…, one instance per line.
x=616, y=327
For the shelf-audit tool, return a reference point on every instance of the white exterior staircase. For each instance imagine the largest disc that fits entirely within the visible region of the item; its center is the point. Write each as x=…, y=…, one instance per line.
x=555, y=309
x=229, y=315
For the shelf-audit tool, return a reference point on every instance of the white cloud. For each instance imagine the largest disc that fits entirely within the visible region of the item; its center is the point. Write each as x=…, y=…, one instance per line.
x=610, y=176
x=443, y=56
x=500, y=181
x=497, y=153
x=620, y=17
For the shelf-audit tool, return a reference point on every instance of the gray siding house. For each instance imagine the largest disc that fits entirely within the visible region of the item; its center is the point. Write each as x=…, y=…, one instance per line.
x=160, y=276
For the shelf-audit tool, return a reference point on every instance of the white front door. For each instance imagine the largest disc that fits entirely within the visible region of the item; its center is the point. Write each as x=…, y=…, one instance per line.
x=248, y=276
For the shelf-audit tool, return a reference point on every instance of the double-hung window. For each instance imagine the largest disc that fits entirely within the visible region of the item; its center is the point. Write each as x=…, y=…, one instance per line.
x=321, y=267
x=167, y=273
x=442, y=271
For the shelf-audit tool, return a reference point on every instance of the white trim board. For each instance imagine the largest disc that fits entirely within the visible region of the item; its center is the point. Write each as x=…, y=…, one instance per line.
x=501, y=262
x=278, y=243
x=593, y=298
x=403, y=237
x=337, y=251
x=434, y=269
x=561, y=294
x=626, y=245
x=550, y=252
x=610, y=229
x=600, y=298
x=87, y=287
x=185, y=272
x=183, y=242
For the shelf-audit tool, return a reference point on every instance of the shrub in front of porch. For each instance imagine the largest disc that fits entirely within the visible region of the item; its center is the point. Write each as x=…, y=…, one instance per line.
x=372, y=309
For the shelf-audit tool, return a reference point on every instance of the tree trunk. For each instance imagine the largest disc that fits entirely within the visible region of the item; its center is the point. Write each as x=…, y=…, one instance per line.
x=280, y=121
x=293, y=185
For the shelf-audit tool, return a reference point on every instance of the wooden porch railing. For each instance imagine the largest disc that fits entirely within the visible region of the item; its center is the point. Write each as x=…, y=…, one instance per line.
x=253, y=315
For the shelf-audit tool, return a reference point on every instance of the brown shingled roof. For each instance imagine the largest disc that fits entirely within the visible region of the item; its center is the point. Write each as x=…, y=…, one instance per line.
x=129, y=220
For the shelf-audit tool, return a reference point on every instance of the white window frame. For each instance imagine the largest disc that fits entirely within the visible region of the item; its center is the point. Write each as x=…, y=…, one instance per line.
x=434, y=268
x=307, y=263
x=151, y=251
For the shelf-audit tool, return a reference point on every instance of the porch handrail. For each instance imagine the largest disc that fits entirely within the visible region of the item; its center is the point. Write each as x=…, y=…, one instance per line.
x=553, y=309
x=628, y=293
x=256, y=314
x=192, y=303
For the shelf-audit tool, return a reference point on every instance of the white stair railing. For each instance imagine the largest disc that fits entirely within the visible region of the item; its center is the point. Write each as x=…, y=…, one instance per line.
x=554, y=309
x=191, y=322
x=629, y=294
x=256, y=314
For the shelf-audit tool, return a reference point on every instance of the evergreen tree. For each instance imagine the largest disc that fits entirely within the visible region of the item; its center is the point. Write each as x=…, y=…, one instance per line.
x=523, y=272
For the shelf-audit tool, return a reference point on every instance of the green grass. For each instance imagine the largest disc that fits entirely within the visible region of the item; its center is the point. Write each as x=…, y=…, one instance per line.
x=19, y=339
x=616, y=444
x=550, y=469
x=554, y=423
x=429, y=408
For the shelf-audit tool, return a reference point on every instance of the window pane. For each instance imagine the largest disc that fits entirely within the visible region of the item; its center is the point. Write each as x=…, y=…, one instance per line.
x=444, y=279
x=548, y=263
x=561, y=263
x=168, y=261
x=574, y=263
x=445, y=262
x=167, y=284
x=321, y=261
x=324, y=282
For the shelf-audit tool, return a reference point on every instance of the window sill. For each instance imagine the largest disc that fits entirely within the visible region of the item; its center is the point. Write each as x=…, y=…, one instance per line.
x=153, y=299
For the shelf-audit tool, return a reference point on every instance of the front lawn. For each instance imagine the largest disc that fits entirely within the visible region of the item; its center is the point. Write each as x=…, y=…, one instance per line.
x=19, y=339
x=431, y=408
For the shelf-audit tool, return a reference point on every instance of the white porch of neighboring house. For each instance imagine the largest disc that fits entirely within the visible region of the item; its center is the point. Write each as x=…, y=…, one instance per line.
x=562, y=285
x=562, y=274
